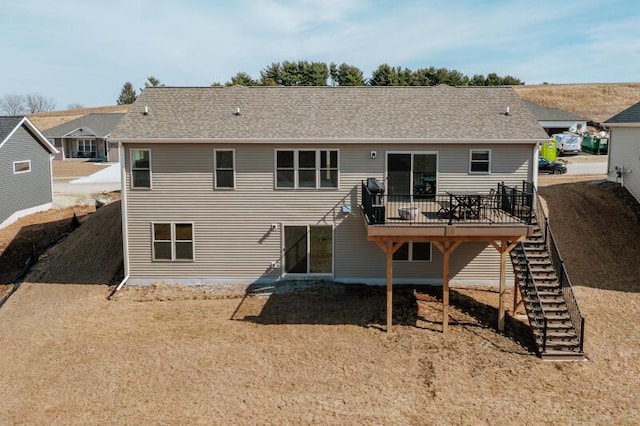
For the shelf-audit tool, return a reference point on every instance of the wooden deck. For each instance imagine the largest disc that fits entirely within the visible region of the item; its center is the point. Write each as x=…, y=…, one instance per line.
x=430, y=220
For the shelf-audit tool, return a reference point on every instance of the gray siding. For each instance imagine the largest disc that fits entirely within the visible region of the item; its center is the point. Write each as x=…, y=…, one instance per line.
x=25, y=190
x=233, y=237
x=113, y=154
x=624, y=150
x=57, y=142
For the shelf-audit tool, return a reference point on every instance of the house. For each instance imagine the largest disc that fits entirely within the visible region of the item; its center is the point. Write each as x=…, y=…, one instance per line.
x=25, y=170
x=259, y=184
x=86, y=137
x=624, y=149
x=554, y=120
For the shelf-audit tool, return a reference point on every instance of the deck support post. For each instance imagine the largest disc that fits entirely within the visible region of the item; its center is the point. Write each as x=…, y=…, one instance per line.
x=389, y=252
x=446, y=248
x=445, y=287
x=504, y=248
x=516, y=290
x=503, y=285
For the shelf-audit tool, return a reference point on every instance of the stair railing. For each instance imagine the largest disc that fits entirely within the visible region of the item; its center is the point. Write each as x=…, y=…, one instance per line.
x=577, y=319
x=530, y=291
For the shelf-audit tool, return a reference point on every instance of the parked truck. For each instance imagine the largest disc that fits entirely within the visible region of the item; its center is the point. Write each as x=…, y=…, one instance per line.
x=568, y=143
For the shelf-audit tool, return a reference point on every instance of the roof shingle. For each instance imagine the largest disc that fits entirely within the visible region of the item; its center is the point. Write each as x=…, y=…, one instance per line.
x=7, y=124
x=629, y=115
x=439, y=112
x=542, y=113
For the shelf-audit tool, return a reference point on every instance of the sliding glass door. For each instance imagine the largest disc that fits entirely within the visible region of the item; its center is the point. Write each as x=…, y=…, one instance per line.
x=308, y=249
x=411, y=175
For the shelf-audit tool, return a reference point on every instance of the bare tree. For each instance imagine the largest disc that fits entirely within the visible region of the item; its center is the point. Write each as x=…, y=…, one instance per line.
x=13, y=105
x=38, y=103
x=75, y=106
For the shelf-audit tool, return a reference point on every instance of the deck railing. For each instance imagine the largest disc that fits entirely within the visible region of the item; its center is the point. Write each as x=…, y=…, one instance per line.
x=500, y=205
x=577, y=320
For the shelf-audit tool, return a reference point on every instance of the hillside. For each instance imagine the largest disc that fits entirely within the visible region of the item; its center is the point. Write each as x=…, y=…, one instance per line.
x=597, y=101
x=47, y=120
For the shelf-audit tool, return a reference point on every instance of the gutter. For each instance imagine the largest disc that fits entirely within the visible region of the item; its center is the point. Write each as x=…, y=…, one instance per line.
x=299, y=141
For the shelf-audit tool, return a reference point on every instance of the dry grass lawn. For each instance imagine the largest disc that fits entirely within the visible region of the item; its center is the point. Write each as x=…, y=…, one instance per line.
x=597, y=102
x=318, y=354
x=72, y=169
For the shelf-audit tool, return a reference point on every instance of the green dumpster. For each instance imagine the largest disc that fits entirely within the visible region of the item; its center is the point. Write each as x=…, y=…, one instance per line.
x=595, y=145
x=548, y=150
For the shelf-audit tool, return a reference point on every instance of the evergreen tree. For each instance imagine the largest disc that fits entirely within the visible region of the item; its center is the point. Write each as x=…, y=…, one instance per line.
x=127, y=94
x=271, y=75
x=511, y=81
x=477, y=80
x=152, y=82
x=346, y=75
x=241, y=79
x=384, y=75
x=493, y=79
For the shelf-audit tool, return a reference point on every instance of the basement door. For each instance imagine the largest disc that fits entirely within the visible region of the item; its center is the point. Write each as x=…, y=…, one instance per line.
x=308, y=250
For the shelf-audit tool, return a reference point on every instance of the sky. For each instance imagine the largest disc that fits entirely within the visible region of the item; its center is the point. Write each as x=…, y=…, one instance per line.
x=83, y=51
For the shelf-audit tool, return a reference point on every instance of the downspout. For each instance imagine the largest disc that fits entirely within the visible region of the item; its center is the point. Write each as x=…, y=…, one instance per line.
x=534, y=166
x=51, y=171
x=125, y=228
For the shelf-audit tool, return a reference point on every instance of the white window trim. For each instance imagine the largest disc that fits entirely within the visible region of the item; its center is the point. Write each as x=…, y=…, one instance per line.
x=411, y=259
x=296, y=169
x=215, y=169
x=92, y=142
x=285, y=274
x=471, y=152
x=131, y=169
x=172, y=225
x=24, y=171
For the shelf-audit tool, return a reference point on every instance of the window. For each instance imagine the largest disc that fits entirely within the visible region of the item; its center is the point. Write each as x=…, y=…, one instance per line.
x=225, y=165
x=308, y=169
x=86, y=148
x=21, y=166
x=413, y=251
x=308, y=249
x=172, y=241
x=140, y=168
x=479, y=161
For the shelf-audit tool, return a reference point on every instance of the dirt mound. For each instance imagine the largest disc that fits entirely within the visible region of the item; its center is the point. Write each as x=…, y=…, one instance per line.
x=92, y=254
x=597, y=226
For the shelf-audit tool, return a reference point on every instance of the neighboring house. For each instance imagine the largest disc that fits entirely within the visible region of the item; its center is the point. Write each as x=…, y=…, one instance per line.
x=624, y=149
x=554, y=120
x=86, y=137
x=252, y=185
x=25, y=169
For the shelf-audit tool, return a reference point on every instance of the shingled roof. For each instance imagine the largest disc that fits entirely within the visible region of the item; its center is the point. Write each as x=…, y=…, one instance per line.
x=629, y=115
x=96, y=124
x=542, y=113
x=340, y=113
x=7, y=124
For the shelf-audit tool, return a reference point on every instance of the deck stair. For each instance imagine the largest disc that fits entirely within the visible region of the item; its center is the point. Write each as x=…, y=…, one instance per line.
x=547, y=296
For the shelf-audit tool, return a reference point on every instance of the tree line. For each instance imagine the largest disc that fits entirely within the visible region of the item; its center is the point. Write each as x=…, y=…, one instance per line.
x=16, y=105
x=305, y=73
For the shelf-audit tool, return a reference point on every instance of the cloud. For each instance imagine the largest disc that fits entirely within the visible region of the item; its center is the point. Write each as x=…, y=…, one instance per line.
x=79, y=51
